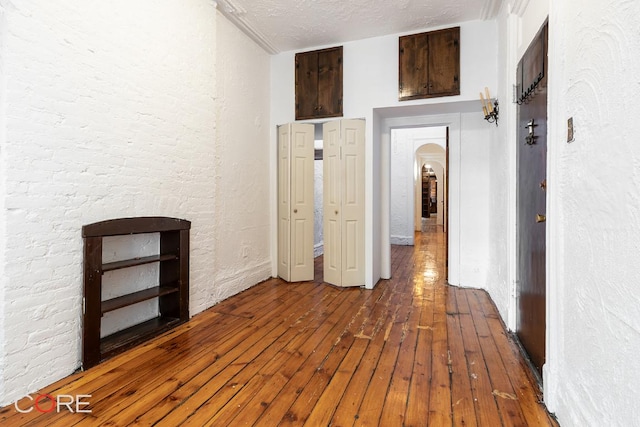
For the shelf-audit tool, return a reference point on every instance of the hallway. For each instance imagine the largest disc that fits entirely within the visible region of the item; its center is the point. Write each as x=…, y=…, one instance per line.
x=412, y=352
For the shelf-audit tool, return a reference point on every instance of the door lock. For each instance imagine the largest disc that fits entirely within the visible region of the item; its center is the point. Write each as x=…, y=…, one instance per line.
x=531, y=137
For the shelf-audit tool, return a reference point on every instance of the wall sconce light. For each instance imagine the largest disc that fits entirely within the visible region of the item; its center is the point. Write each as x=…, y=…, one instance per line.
x=490, y=110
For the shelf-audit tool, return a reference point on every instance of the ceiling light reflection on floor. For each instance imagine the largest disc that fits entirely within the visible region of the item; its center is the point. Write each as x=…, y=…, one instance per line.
x=430, y=275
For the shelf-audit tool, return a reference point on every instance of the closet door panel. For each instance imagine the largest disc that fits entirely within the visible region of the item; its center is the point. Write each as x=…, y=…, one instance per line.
x=284, y=181
x=353, y=205
x=332, y=177
x=295, y=202
x=302, y=202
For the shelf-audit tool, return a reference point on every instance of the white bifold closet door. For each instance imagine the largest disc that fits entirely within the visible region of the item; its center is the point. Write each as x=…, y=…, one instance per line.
x=344, y=202
x=295, y=202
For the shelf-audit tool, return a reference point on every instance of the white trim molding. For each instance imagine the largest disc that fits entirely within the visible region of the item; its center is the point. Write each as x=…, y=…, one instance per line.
x=518, y=7
x=237, y=15
x=490, y=9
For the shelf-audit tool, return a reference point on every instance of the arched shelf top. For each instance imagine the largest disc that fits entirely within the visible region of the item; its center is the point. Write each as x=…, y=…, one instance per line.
x=135, y=225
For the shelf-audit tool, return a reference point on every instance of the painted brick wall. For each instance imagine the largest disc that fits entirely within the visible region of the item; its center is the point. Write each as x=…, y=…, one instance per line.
x=594, y=212
x=242, y=239
x=110, y=111
x=3, y=168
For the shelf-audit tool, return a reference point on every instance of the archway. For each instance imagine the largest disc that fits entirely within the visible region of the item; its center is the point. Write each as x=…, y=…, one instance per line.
x=431, y=156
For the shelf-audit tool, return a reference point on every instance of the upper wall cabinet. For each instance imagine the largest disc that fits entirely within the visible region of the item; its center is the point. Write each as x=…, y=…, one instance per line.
x=319, y=84
x=430, y=64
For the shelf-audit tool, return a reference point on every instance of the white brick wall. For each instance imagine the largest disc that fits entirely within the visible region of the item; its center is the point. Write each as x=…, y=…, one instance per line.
x=242, y=243
x=3, y=169
x=110, y=111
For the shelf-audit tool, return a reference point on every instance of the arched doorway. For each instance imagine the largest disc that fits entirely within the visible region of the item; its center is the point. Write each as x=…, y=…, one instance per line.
x=430, y=194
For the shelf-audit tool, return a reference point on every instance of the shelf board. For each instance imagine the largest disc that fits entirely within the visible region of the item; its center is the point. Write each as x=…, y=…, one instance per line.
x=120, y=341
x=110, y=266
x=136, y=297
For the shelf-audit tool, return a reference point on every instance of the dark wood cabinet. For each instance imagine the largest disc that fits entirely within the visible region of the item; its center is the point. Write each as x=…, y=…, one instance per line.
x=319, y=83
x=429, y=64
x=172, y=291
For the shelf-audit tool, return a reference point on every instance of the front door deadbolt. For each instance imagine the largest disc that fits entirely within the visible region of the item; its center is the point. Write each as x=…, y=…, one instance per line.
x=531, y=137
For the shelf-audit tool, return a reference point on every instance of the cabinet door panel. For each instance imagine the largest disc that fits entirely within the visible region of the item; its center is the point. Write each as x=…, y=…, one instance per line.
x=306, y=85
x=319, y=83
x=429, y=64
x=414, y=51
x=444, y=62
x=330, y=83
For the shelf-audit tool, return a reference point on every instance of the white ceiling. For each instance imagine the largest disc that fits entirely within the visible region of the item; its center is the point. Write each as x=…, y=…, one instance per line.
x=282, y=25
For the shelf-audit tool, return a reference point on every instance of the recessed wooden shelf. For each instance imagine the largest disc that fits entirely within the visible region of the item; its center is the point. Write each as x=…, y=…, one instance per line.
x=136, y=297
x=127, y=338
x=116, y=265
x=172, y=292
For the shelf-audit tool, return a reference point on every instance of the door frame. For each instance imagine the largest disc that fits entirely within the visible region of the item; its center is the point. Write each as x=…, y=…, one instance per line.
x=453, y=122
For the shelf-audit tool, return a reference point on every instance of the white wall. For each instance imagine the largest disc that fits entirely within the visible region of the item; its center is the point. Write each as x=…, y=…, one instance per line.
x=593, y=326
x=3, y=178
x=370, y=81
x=475, y=198
x=402, y=190
x=594, y=212
x=242, y=221
x=109, y=110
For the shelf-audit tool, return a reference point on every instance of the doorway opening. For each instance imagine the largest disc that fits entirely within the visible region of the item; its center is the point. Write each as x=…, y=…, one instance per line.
x=418, y=181
x=429, y=192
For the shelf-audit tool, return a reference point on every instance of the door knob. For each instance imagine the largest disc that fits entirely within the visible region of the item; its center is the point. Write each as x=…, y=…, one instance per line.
x=540, y=218
x=336, y=212
x=295, y=211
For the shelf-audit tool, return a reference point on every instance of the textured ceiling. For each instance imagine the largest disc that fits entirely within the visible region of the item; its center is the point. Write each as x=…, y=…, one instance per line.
x=282, y=25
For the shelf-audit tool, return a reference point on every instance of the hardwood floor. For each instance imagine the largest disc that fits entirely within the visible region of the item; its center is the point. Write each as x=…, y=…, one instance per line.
x=411, y=352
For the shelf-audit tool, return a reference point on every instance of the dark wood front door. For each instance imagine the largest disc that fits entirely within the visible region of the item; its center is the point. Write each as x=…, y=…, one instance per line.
x=531, y=199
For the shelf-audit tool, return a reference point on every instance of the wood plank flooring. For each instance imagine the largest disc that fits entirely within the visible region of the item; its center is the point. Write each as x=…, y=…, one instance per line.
x=411, y=352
